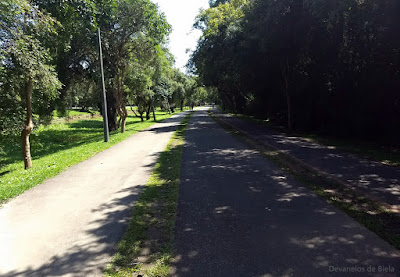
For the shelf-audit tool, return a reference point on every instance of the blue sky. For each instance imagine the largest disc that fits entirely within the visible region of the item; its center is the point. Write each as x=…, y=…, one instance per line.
x=181, y=14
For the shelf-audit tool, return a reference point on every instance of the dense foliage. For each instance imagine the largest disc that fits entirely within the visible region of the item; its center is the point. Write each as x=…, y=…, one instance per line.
x=49, y=60
x=56, y=41
x=24, y=58
x=312, y=65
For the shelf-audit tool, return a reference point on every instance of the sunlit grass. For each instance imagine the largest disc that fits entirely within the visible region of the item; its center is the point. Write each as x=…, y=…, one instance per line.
x=72, y=113
x=155, y=210
x=56, y=147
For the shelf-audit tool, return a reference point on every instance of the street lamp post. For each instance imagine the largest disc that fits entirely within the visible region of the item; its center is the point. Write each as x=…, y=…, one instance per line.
x=105, y=118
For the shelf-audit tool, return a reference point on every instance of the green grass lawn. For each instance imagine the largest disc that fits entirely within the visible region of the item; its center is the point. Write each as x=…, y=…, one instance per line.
x=72, y=113
x=56, y=147
x=156, y=211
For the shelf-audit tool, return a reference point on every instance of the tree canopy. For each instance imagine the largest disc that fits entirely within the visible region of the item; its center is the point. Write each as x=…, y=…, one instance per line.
x=49, y=60
x=325, y=66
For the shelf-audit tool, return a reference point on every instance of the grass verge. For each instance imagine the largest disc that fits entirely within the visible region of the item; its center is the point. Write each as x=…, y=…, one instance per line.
x=384, y=154
x=73, y=115
x=56, y=147
x=146, y=248
x=376, y=218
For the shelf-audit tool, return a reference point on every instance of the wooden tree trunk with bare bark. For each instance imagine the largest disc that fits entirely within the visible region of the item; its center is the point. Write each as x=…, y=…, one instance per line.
x=121, y=107
x=148, y=111
x=123, y=124
x=26, y=149
x=285, y=69
x=289, y=111
x=154, y=113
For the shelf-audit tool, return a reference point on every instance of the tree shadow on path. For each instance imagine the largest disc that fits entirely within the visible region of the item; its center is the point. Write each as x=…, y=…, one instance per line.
x=97, y=245
x=239, y=215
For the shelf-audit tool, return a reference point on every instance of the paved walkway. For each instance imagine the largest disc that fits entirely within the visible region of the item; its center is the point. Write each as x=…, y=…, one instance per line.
x=240, y=215
x=372, y=178
x=70, y=224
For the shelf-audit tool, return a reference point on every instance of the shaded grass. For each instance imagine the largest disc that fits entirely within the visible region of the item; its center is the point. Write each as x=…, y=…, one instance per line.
x=72, y=113
x=384, y=154
x=56, y=147
x=376, y=218
x=146, y=248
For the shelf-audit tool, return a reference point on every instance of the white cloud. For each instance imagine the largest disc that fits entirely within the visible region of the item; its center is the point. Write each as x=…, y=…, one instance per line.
x=181, y=14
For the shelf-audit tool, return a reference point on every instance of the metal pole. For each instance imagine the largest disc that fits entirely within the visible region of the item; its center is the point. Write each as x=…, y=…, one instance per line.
x=105, y=118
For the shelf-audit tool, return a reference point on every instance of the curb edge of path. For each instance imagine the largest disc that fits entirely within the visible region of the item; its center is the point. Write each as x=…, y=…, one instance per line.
x=307, y=166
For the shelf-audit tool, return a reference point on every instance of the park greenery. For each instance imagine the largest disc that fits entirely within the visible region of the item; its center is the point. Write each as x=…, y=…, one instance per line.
x=328, y=67
x=314, y=66
x=57, y=147
x=155, y=210
x=49, y=60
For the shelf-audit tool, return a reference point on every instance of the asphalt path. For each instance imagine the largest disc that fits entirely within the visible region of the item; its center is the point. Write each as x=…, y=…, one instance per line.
x=70, y=224
x=378, y=180
x=240, y=215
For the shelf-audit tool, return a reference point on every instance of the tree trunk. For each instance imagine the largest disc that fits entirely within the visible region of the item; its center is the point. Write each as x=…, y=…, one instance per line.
x=235, y=110
x=286, y=75
x=154, y=113
x=123, y=124
x=169, y=107
x=111, y=112
x=26, y=149
x=120, y=103
x=148, y=112
x=289, y=111
x=182, y=105
x=288, y=104
x=123, y=116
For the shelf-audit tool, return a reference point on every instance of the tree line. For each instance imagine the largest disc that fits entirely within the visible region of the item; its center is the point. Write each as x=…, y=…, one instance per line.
x=49, y=60
x=331, y=67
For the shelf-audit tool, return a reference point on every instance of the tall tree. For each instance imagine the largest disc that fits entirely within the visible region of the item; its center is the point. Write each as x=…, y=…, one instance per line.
x=217, y=54
x=23, y=29
x=74, y=52
x=132, y=19
x=315, y=65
